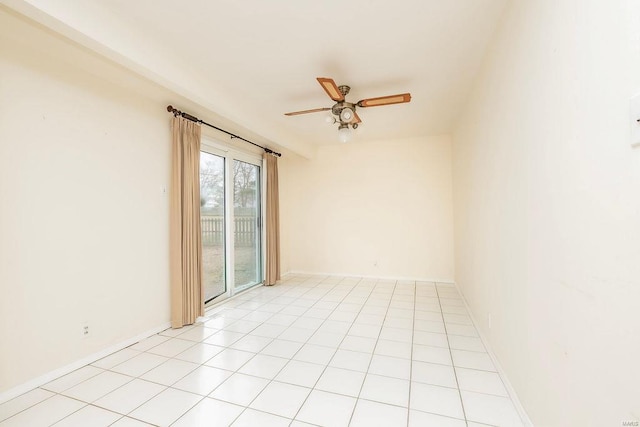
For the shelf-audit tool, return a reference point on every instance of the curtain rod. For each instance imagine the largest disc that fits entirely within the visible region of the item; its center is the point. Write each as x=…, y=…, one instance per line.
x=187, y=116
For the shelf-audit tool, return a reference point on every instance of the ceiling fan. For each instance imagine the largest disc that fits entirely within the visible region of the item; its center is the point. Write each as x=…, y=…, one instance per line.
x=344, y=111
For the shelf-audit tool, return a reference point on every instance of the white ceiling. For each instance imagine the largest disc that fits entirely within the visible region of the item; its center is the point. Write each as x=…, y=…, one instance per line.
x=251, y=61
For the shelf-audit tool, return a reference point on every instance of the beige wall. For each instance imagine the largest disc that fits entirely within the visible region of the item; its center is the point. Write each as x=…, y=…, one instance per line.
x=547, y=210
x=84, y=155
x=357, y=205
x=545, y=194
x=83, y=222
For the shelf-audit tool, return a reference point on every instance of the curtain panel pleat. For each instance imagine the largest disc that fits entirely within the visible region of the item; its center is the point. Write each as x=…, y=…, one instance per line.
x=187, y=299
x=272, y=274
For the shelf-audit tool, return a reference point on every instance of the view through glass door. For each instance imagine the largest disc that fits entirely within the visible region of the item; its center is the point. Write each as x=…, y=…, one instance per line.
x=212, y=224
x=246, y=213
x=231, y=217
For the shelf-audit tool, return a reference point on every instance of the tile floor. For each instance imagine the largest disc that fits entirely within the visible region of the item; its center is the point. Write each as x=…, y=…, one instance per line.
x=313, y=351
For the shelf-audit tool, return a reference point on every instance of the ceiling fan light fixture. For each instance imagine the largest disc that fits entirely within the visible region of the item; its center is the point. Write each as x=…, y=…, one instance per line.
x=344, y=112
x=344, y=133
x=346, y=115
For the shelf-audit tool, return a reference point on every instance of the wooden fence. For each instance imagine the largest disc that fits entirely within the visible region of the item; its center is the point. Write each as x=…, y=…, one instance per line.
x=213, y=230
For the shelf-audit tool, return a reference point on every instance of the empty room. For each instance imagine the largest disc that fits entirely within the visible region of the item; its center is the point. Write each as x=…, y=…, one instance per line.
x=364, y=213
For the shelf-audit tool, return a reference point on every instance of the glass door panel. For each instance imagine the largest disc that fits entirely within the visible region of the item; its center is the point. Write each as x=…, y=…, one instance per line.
x=212, y=222
x=247, y=232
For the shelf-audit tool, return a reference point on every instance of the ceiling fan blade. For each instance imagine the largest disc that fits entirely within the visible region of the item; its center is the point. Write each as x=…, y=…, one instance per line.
x=315, y=110
x=385, y=100
x=356, y=118
x=331, y=88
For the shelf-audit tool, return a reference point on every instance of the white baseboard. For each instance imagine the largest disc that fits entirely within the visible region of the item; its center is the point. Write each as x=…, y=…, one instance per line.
x=50, y=376
x=416, y=279
x=505, y=379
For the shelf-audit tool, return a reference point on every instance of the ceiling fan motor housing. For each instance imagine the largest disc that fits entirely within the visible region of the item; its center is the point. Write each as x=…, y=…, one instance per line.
x=344, y=90
x=339, y=106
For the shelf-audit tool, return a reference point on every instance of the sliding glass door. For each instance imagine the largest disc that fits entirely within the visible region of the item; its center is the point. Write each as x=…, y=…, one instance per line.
x=247, y=218
x=231, y=219
x=212, y=224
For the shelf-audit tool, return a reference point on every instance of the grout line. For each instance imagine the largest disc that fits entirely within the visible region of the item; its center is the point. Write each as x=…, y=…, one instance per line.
x=251, y=358
x=336, y=351
x=174, y=358
x=86, y=405
x=30, y=406
x=413, y=332
x=317, y=299
x=103, y=370
x=374, y=352
x=455, y=373
x=297, y=290
x=513, y=396
x=38, y=382
x=61, y=393
x=271, y=379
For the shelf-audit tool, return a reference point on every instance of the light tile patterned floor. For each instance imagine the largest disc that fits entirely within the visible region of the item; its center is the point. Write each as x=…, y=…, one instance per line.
x=314, y=350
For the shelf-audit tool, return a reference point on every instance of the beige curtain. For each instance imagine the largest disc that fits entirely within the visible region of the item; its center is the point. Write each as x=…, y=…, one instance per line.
x=272, y=222
x=187, y=300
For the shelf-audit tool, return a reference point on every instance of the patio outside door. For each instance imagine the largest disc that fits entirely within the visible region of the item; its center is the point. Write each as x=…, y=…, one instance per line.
x=212, y=224
x=231, y=222
x=247, y=221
